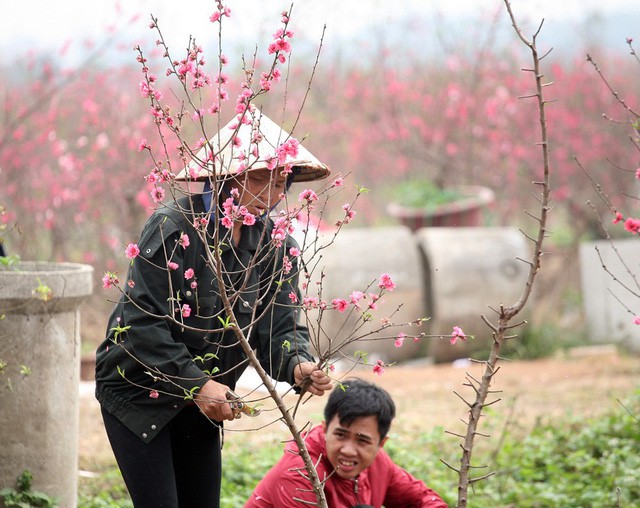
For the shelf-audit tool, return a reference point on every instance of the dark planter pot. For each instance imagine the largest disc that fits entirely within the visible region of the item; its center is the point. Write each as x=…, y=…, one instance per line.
x=466, y=212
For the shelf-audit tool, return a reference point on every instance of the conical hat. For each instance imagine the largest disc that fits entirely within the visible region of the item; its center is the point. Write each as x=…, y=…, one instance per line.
x=255, y=148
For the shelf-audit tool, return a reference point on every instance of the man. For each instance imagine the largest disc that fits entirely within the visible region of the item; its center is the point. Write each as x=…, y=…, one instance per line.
x=347, y=448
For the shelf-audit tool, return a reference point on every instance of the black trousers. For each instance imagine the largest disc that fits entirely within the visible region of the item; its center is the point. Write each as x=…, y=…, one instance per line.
x=179, y=468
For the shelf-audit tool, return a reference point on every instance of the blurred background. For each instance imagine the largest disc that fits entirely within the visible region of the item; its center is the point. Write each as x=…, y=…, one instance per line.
x=406, y=91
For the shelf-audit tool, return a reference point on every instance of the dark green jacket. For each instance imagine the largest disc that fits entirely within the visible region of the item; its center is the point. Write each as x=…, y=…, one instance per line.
x=158, y=353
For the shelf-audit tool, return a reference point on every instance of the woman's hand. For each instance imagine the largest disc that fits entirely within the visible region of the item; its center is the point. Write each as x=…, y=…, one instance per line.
x=309, y=377
x=212, y=401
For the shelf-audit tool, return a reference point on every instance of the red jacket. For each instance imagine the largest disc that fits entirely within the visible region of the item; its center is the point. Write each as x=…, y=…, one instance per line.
x=382, y=483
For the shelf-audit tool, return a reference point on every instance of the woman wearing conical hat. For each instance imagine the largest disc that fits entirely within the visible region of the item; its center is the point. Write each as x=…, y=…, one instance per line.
x=166, y=372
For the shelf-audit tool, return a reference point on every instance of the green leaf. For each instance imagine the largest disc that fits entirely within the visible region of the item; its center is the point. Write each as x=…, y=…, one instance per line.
x=286, y=345
x=118, y=331
x=42, y=291
x=361, y=355
x=10, y=260
x=189, y=393
x=226, y=323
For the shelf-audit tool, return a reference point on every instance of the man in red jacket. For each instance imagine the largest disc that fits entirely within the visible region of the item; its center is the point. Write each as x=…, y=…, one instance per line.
x=347, y=449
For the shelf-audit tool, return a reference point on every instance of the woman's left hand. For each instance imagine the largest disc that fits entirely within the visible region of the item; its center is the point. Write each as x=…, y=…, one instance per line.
x=318, y=382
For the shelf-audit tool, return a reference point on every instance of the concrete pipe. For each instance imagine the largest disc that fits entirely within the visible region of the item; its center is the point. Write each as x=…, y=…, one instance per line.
x=356, y=259
x=469, y=271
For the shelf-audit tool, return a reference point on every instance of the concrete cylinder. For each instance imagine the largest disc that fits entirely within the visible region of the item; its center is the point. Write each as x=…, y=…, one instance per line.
x=40, y=352
x=355, y=259
x=469, y=271
x=609, y=275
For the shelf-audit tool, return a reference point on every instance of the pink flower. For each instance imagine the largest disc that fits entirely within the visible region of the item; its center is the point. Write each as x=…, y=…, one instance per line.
x=632, y=225
x=171, y=265
x=340, y=304
x=400, y=339
x=280, y=45
x=338, y=182
x=227, y=222
x=619, y=217
x=249, y=219
x=355, y=297
x=349, y=213
x=132, y=250
x=288, y=149
x=189, y=273
x=286, y=264
x=154, y=394
x=457, y=334
x=310, y=302
x=636, y=320
x=638, y=174
x=143, y=144
x=201, y=223
x=378, y=368
x=110, y=279
x=186, y=310
x=194, y=284
x=131, y=283
x=386, y=282
x=293, y=297
x=157, y=194
x=184, y=240
x=294, y=251
x=308, y=195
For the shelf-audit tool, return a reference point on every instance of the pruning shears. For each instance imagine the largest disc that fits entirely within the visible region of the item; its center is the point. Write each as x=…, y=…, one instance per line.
x=240, y=407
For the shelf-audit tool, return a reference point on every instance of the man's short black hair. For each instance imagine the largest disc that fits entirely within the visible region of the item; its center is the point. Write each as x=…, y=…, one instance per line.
x=356, y=398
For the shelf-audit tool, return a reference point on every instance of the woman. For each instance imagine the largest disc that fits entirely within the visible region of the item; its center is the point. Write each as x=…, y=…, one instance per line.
x=164, y=371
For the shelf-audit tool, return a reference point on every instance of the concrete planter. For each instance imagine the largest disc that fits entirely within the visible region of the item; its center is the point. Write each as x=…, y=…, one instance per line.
x=40, y=348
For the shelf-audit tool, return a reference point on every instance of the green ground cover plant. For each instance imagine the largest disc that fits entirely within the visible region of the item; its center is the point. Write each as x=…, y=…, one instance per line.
x=566, y=463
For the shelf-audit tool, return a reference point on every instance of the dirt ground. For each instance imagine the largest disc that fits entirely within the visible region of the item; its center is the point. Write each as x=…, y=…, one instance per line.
x=582, y=382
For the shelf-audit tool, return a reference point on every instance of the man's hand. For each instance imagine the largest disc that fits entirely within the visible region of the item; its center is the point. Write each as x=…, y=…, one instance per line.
x=309, y=377
x=212, y=401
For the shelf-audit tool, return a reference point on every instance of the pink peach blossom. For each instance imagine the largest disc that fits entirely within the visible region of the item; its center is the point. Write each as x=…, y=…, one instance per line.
x=132, y=250
x=386, y=282
x=110, y=279
x=340, y=304
x=457, y=334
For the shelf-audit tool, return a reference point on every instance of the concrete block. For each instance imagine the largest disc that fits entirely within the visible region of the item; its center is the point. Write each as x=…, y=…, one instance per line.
x=610, y=305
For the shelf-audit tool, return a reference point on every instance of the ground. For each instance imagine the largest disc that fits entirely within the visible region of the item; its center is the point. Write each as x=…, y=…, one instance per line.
x=582, y=382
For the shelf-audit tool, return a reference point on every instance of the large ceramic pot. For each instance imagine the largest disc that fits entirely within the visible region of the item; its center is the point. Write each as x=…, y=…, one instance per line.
x=467, y=211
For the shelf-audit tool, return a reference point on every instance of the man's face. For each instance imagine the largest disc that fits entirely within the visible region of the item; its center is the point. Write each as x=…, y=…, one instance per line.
x=260, y=190
x=351, y=449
